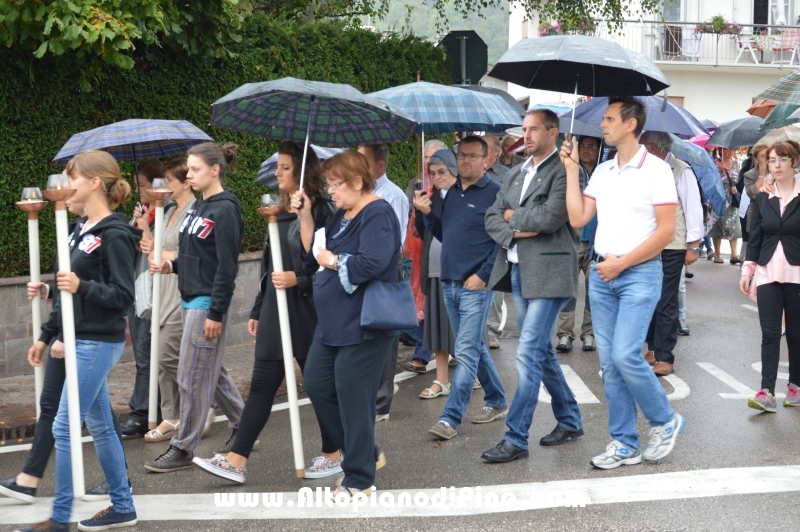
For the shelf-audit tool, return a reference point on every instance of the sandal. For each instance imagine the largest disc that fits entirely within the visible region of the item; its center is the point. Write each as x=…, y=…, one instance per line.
x=719, y=260
x=445, y=390
x=156, y=435
x=477, y=384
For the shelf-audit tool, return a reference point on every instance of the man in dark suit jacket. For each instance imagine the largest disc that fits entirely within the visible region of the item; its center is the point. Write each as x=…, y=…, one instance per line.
x=538, y=264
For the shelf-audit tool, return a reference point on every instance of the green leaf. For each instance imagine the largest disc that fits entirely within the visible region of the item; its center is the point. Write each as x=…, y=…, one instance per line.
x=41, y=50
x=107, y=33
x=73, y=8
x=12, y=15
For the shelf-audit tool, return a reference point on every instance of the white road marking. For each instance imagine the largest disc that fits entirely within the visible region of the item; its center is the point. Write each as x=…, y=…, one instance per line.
x=750, y=307
x=599, y=489
x=742, y=390
x=579, y=389
x=785, y=376
x=27, y=446
x=680, y=388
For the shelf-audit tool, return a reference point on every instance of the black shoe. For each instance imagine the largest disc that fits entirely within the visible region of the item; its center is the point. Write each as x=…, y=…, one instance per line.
x=683, y=329
x=503, y=452
x=564, y=344
x=101, y=492
x=407, y=340
x=689, y=275
x=560, y=435
x=10, y=488
x=408, y=366
x=172, y=460
x=225, y=449
x=134, y=427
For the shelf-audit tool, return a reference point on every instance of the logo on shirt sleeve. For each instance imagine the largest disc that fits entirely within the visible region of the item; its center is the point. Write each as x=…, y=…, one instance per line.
x=89, y=243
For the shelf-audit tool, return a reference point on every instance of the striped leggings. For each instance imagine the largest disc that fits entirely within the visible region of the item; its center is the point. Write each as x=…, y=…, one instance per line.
x=202, y=377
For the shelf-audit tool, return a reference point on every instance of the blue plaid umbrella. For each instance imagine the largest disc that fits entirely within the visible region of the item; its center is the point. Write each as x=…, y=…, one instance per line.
x=443, y=109
x=668, y=119
x=135, y=139
x=706, y=171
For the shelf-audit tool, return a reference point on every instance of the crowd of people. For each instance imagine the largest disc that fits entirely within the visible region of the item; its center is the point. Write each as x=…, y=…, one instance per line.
x=479, y=222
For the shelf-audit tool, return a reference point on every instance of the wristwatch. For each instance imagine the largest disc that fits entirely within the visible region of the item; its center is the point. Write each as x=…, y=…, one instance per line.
x=696, y=251
x=332, y=261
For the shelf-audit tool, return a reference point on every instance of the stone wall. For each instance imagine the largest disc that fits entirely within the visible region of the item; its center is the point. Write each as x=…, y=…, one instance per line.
x=16, y=328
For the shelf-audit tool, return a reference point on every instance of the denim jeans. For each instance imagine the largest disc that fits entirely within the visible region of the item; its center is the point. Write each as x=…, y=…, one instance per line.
x=537, y=363
x=682, y=297
x=621, y=312
x=468, y=311
x=95, y=361
x=421, y=354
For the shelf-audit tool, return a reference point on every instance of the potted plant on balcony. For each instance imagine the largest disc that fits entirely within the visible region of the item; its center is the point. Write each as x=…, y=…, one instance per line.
x=719, y=25
x=550, y=29
x=581, y=26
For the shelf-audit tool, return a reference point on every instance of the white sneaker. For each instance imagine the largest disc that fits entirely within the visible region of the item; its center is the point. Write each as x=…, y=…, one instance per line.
x=662, y=439
x=616, y=455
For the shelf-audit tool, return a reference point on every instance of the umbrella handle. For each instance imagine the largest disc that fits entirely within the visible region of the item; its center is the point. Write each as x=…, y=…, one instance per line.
x=574, y=100
x=305, y=148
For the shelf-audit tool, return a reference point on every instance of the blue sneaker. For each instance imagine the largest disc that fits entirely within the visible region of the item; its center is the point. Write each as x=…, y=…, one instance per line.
x=662, y=439
x=47, y=526
x=616, y=455
x=107, y=519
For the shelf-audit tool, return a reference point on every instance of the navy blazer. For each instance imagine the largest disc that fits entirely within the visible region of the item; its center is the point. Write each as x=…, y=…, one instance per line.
x=768, y=228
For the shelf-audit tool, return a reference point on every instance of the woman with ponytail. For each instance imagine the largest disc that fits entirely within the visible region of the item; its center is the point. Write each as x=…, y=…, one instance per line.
x=207, y=262
x=101, y=281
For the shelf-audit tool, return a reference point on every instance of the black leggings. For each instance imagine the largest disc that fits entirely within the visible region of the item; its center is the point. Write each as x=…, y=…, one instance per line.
x=773, y=300
x=43, y=440
x=267, y=378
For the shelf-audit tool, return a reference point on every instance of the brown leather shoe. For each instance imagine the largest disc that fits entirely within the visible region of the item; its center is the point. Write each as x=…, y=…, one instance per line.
x=662, y=369
x=650, y=358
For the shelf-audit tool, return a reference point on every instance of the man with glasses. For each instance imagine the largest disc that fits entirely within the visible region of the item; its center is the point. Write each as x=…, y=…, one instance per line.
x=589, y=154
x=468, y=254
x=662, y=336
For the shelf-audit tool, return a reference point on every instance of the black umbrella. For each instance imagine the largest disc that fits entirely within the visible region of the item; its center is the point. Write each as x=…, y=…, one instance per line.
x=740, y=132
x=579, y=64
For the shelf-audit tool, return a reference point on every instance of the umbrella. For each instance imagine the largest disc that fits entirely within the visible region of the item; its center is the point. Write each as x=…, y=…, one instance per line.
x=783, y=114
x=705, y=169
x=498, y=92
x=761, y=108
x=785, y=90
x=779, y=135
x=580, y=127
x=444, y=109
x=709, y=124
x=700, y=140
x=669, y=118
x=329, y=114
x=135, y=139
x=740, y=132
x=579, y=64
x=558, y=108
x=266, y=174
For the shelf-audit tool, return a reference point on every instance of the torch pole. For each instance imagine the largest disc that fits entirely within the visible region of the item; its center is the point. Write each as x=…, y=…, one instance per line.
x=155, y=317
x=70, y=352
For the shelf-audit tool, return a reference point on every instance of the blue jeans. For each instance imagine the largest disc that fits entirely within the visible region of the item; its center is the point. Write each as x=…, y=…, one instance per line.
x=536, y=362
x=95, y=361
x=621, y=313
x=682, y=297
x=468, y=311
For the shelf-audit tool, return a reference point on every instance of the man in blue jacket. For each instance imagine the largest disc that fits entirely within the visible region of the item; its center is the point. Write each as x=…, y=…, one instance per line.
x=468, y=254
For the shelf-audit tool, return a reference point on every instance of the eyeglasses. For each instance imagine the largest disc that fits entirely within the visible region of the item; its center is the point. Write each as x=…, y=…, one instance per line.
x=334, y=186
x=471, y=156
x=588, y=146
x=442, y=173
x=782, y=160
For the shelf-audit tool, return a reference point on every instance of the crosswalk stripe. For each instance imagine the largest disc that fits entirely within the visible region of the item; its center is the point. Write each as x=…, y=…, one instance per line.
x=742, y=390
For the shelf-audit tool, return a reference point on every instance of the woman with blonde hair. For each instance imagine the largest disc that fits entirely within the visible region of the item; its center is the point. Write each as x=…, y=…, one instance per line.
x=101, y=281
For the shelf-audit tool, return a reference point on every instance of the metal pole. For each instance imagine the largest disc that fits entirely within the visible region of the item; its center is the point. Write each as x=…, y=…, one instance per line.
x=286, y=344
x=155, y=317
x=70, y=355
x=305, y=148
x=463, y=60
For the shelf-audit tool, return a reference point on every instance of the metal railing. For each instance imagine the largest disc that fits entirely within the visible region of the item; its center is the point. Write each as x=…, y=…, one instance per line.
x=680, y=41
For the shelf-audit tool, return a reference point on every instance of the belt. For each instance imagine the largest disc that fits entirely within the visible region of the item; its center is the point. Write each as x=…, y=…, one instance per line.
x=599, y=258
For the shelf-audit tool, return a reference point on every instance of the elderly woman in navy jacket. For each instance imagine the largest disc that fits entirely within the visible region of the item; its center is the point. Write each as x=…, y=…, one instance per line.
x=362, y=244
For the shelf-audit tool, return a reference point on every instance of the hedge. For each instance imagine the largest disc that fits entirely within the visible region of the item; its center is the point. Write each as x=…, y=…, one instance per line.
x=41, y=106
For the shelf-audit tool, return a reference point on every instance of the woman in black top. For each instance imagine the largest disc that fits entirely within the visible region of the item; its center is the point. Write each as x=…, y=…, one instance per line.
x=101, y=281
x=362, y=243
x=297, y=279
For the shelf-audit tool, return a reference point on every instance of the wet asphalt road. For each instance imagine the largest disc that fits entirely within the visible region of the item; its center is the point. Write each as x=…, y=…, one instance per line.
x=721, y=433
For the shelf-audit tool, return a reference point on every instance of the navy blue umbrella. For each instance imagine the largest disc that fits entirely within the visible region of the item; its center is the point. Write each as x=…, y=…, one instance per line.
x=135, y=139
x=669, y=118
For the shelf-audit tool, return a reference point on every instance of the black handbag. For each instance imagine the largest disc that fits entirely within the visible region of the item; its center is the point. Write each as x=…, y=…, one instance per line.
x=388, y=307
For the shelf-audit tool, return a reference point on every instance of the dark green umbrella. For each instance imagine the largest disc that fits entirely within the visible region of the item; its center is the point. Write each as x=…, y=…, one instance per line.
x=785, y=90
x=782, y=115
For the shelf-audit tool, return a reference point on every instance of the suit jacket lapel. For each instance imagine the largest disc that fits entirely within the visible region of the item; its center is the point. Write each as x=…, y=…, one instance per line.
x=514, y=189
x=776, y=204
x=536, y=182
x=790, y=207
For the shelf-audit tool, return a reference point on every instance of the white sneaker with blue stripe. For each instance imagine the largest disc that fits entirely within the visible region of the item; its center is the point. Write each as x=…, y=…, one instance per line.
x=662, y=438
x=617, y=454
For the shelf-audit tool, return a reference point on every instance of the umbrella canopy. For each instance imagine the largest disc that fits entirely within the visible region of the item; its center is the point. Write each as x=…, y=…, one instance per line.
x=668, y=119
x=497, y=92
x=266, y=174
x=761, y=108
x=779, y=135
x=580, y=127
x=782, y=115
x=444, y=109
x=135, y=139
x=705, y=169
x=785, y=90
x=558, y=108
x=700, y=140
x=709, y=124
x=579, y=64
x=329, y=114
x=740, y=132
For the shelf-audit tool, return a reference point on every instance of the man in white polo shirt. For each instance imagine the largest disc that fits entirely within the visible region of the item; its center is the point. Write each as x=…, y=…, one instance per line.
x=634, y=198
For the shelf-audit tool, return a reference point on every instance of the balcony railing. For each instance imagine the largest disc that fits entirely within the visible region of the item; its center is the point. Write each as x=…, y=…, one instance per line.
x=679, y=41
